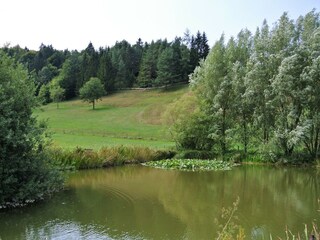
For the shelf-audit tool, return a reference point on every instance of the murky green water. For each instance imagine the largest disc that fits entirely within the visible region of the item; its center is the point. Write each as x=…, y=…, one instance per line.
x=136, y=202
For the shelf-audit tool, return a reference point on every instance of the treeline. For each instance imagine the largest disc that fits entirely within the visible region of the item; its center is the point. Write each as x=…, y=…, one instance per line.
x=259, y=93
x=159, y=63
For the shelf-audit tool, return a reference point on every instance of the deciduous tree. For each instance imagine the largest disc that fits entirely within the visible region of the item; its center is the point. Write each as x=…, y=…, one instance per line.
x=92, y=91
x=25, y=172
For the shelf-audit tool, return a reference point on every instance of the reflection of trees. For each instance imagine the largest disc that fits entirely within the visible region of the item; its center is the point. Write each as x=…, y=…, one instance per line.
x=270, y=196
x=109, y=202
x=153, y=203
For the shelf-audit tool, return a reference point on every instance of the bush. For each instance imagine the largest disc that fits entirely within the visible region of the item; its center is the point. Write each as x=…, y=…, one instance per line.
x=195, y=154
x=25, y=171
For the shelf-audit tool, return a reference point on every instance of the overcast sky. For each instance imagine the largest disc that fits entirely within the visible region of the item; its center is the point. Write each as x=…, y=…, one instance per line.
x=73, y=24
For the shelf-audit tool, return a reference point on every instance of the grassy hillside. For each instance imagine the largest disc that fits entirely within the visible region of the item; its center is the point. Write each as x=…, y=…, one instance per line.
x=132, y=117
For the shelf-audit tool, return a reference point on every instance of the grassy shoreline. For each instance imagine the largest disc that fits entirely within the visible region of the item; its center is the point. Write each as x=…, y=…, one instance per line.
x=81, y=158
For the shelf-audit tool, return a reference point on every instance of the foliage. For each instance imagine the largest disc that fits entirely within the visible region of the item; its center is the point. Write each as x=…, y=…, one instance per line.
x=192, y=133
x=25, y=171
x=165, y=75
x=199, y=48
x=261, y=89
x=148, y=69
x=195, y=154
x=56, y=92
x=120, y=66
x=92, y=91
x=188, y=126
x=80, y=158
x=70, y=74
x=44, y=94
x=191, y=164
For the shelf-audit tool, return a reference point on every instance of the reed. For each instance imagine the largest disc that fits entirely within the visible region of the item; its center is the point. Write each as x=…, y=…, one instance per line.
x=80, y=158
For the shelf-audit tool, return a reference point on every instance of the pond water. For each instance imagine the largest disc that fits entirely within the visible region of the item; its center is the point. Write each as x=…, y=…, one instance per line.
x=137, y=202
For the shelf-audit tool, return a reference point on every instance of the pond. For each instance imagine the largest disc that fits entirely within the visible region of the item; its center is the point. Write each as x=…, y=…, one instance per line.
x=137, y=202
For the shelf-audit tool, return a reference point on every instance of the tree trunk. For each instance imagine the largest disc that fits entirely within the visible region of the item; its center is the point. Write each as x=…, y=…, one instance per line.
x=93, y=102
x=245, y=137
x=223, y=133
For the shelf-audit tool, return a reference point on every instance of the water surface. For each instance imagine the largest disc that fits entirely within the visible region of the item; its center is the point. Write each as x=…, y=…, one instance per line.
x=136, y=202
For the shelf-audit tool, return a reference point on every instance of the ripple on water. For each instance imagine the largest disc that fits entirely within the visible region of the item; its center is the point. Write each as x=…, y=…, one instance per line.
x=60, y=230
x=119, y=194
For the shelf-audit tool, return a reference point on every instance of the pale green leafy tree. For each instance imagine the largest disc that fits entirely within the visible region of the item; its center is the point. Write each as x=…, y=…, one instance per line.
x=92, y=91
x=257, y=81
x=213, y=86
x=290, y=95
x=57, y=94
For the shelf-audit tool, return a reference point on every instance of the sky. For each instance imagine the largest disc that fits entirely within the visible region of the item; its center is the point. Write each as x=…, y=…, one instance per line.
x=73, y=24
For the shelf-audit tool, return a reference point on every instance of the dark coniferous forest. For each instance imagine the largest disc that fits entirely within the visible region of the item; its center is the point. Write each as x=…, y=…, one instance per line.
x=143, y=64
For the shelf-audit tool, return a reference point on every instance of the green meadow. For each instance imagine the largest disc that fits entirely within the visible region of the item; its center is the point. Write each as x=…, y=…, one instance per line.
x=130, y=117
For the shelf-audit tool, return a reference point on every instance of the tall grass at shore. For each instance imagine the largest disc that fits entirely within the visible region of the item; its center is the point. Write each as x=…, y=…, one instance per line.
x=231, y=229
x=81, y=158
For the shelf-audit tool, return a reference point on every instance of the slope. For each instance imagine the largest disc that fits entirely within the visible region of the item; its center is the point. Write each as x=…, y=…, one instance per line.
x=130, y=117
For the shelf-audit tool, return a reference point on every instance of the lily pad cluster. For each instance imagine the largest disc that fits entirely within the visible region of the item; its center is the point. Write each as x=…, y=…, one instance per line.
x=191, y=164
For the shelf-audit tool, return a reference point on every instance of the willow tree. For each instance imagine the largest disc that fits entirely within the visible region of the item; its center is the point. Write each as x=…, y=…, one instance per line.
x=310, y=120
x=295, y=86
x=258, y=82
x=213, y=86
x=267, y=84
x=242, y=105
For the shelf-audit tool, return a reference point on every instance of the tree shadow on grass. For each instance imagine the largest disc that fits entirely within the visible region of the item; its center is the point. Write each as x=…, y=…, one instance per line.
x=103, y=108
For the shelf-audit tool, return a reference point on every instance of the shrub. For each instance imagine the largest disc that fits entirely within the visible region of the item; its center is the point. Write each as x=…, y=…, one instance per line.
x=25, y=171
x=195, y=154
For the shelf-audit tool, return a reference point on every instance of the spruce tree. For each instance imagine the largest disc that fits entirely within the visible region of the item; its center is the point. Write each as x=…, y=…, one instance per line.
x=165, y=74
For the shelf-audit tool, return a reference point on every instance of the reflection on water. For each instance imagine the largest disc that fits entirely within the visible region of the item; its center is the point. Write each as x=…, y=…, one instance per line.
x=136, y=202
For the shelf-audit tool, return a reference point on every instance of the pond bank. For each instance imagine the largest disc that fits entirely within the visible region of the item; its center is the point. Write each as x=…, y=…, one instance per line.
x=80, y=158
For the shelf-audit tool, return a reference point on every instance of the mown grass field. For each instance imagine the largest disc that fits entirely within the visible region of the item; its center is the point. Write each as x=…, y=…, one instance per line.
x=131, y=117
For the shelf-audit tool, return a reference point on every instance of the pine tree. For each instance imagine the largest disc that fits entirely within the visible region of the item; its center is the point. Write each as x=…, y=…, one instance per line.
x=106, y=71
x=89, y=66
x=148, y=68
x=199, y=48
x=165, y=74
x=70, y=75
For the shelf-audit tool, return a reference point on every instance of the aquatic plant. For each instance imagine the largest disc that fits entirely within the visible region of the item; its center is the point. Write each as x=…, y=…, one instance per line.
x=191, y=164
